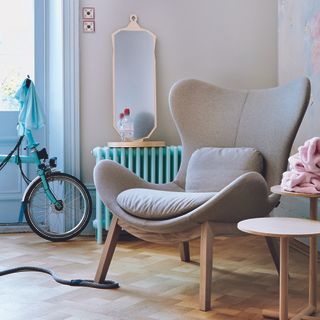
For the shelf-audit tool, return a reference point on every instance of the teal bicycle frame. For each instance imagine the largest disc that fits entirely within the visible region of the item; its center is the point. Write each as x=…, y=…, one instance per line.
x=42, y=170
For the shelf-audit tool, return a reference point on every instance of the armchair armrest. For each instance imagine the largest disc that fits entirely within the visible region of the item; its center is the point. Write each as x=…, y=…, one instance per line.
x=111, y=178
x=244, y=198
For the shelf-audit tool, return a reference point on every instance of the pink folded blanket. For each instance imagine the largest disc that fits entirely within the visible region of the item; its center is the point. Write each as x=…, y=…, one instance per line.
x=305, y=182
x=304, y=173
x=310, y=155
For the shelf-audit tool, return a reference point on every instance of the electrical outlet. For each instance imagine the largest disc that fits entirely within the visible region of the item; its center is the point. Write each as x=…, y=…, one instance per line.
x=88, y=26
x=88, y=13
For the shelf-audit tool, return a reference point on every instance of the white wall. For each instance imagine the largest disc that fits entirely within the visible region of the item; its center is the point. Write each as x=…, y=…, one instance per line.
x=227, y=42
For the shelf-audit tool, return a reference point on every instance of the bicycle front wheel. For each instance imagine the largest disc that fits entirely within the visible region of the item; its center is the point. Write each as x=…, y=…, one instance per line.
x=64, y=223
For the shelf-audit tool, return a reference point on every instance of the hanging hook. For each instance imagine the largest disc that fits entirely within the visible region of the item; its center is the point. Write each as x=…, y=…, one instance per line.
x=134, y=18
x=28, y=81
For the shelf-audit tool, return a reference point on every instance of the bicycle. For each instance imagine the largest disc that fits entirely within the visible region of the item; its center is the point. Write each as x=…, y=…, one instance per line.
x=57, y=206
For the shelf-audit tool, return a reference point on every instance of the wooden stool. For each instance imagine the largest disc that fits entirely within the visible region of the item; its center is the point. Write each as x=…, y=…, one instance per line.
x=285, y=228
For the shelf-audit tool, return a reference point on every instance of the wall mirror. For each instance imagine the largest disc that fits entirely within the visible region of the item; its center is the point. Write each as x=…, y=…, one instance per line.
x=134, y=79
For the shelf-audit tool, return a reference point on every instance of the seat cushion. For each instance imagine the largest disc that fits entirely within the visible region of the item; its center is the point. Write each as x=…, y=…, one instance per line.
x=159, y=205
x=211, y=169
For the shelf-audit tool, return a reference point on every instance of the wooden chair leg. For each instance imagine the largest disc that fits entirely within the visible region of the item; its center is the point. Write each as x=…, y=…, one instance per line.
x=205, y=266
x=108, y=250
x=274, y=250
x=184, y=251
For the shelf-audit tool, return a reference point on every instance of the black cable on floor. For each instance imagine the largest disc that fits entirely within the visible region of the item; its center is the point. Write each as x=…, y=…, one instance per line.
x=107, y=284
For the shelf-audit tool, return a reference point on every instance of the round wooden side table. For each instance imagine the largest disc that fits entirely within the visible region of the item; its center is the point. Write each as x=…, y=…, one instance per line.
x=285, y=228
x=313, y=251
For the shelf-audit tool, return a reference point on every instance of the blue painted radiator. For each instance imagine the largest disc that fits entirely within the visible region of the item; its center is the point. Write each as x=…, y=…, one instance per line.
x=153, y=164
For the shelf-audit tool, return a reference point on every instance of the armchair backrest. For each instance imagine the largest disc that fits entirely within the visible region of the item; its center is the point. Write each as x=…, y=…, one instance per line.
x=267, y=120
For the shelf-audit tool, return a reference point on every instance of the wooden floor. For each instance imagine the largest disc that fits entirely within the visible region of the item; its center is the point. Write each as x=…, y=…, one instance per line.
x=155, y=284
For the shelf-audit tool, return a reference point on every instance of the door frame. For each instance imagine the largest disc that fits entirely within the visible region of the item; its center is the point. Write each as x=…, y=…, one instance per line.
x=71, y=62
x=65, y=16
x=62, y=14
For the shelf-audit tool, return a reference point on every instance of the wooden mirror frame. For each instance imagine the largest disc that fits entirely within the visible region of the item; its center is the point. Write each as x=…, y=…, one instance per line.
x=134, y=27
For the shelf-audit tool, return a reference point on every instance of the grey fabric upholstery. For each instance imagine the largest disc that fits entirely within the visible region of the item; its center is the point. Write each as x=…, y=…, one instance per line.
x=211, y=169
x=266, y=119
x=158, y=204
x=209, y=116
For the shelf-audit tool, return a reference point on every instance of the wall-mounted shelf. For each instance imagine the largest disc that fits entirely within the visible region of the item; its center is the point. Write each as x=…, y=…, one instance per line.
x=136, y=144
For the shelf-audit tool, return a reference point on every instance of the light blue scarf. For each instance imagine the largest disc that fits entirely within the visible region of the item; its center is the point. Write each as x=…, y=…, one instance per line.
x=31, y=114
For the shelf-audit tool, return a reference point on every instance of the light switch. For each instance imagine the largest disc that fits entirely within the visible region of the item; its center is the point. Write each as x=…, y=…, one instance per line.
x=88, y=26
x=88, y=13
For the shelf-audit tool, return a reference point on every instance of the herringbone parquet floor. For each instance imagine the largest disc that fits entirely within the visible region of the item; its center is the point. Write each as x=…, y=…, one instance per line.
x=155, y=284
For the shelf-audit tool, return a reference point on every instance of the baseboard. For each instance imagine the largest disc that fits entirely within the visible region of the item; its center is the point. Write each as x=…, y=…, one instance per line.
x=14, y=228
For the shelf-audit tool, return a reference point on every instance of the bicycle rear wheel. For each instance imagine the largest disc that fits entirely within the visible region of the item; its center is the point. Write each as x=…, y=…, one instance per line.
x=49, y=222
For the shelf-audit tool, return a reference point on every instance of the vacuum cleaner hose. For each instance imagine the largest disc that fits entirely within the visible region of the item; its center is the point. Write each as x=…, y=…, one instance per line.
x=107, y=284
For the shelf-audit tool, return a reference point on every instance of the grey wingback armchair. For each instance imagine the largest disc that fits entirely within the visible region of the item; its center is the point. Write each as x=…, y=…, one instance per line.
x=235, y=146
